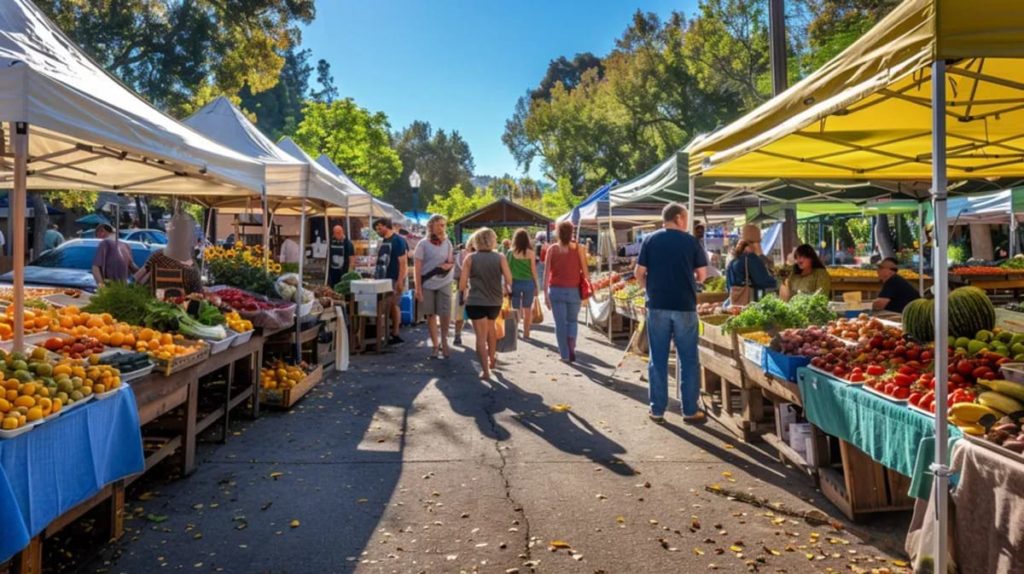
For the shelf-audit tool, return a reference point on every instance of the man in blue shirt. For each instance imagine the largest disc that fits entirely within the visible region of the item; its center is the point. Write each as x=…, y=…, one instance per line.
x=393, y=264
x=671, y=264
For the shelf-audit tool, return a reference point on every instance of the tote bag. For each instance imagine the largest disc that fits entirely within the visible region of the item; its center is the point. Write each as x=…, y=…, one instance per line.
x=741, y=295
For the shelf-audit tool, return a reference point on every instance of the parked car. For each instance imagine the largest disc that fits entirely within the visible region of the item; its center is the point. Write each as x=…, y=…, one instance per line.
x=154, y=236
x=70, y=264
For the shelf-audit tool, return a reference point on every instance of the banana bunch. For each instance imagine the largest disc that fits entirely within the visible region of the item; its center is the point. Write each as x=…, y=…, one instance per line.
x=1002, y=398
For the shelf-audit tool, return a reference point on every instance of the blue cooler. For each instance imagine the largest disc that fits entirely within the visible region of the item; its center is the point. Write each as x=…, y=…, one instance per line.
x=407, y=305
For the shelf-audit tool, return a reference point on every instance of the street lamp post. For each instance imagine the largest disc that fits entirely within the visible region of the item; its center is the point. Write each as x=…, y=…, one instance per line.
x=414, y=183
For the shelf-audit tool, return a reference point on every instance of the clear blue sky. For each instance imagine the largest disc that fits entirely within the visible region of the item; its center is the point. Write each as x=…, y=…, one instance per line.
x=461, y=64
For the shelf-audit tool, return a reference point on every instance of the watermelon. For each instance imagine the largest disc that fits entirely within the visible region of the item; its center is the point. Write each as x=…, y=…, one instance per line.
x=919, y=320
x=970, y=311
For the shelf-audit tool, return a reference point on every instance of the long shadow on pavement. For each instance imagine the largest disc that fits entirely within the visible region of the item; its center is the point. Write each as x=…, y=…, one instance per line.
x=563, y=429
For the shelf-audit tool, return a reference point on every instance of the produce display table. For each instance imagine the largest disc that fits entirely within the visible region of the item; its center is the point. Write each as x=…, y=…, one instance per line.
x=871, y=429
x=722, y=376
x=49, y=471
x=382, y=322
x=158, y=395
x=243, y=373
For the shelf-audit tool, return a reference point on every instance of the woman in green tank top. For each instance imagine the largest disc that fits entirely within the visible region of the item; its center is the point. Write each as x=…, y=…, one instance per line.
x=524, y=277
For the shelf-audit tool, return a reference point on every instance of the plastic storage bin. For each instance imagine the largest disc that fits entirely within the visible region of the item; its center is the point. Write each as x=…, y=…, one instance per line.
x=784, y=366
x=407, y=306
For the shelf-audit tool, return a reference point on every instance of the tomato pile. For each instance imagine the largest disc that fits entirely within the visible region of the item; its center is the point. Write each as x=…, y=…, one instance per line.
x=75, y=347
x=242, y=301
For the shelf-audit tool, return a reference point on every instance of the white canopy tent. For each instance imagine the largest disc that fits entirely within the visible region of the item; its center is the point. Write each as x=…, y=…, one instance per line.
x=73, y=125
x=371, y=205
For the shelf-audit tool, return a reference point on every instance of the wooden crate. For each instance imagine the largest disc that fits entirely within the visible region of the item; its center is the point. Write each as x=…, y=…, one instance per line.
x=286, y=398
x=711, y=297
x=180, y=363
x=864, y=486
x=731, y=399
x=714, y=335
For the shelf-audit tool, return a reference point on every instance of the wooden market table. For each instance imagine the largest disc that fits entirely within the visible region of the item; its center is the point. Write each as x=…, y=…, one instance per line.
x=242, y=365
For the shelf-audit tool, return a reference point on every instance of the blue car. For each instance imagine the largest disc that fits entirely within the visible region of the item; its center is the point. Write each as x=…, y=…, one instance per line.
x=154, y=236
x=70, y=264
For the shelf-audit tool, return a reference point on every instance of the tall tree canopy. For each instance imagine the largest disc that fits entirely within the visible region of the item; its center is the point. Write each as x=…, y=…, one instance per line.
x=442, y=159
x=278, y=111
x=357, y=140
x=666, y=82
x=181, y=53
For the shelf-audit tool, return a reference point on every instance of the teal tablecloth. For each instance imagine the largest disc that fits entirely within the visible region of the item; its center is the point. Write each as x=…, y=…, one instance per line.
x=888, y=432
x=54, y=467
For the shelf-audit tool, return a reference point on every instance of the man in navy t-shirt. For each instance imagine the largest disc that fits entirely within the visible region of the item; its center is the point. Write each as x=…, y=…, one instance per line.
x=671, y=264
x=393, y=264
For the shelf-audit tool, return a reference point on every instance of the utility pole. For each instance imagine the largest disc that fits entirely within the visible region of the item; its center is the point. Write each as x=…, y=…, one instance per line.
x=780, y=81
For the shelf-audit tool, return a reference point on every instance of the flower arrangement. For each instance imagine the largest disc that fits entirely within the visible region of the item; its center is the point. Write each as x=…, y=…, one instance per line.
x=242, y=266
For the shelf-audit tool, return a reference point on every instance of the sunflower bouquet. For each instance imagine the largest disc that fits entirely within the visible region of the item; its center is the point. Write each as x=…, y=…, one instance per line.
x=242, y=266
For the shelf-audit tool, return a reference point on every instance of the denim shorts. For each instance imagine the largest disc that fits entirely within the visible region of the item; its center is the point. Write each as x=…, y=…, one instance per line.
x=523, y=291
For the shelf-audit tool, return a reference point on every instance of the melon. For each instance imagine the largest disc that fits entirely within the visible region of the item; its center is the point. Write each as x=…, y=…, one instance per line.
x=919, y=320
x=970, y=311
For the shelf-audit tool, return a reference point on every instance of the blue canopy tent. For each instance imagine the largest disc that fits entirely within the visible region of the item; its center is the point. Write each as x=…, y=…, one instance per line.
x=93, y=219
x=601, y=194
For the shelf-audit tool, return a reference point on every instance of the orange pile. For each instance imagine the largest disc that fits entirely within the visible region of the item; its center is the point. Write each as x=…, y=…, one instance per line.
x=111, y=332
x=36, y=320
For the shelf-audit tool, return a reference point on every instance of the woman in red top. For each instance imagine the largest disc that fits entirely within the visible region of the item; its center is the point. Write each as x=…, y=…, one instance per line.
x=564, y=266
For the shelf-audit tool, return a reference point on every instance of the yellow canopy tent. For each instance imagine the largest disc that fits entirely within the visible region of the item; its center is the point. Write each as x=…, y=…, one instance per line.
x=867, y=113
x=934, y=92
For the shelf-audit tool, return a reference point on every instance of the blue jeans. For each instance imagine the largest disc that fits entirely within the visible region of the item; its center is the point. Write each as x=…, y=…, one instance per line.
x=565, y=308
x=663, y=328
x=523, y=291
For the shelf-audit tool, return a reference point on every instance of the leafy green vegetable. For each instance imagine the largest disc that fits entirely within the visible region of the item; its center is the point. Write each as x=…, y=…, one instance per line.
x=714, y=284
x=209, y=314
x=767, y=314
x=344, y=286
x=170, y=317
x=124, y=301
x=814, y=307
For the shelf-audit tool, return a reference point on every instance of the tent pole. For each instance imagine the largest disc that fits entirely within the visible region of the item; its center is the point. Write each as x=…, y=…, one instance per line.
x=611, y=233
x=16, y=209
x=266, y=230
x=210, y=214
x=298, y=291
x=691, y=206
x=940, y=468
x=327, y=232
x=920, y=248
x=1012, y=248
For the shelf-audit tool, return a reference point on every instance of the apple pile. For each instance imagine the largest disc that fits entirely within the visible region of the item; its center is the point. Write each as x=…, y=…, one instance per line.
x=810, y=342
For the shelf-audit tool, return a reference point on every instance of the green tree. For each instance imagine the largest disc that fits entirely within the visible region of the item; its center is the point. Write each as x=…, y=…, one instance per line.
x=328, y=92
x=278, y=111
x=835, y=24
x=443, y=160
x=181, y=53
x=458, y=203
x=357, y=140
x=727, y=49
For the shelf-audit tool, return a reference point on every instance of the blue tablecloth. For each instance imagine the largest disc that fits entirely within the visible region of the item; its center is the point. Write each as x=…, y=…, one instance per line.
x=61, y=463
x=888, y=432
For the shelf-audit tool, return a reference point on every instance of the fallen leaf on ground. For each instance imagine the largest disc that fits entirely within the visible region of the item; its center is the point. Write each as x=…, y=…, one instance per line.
x=157, y=518
x=294, y=523
x=560, y=407
x=559, y=544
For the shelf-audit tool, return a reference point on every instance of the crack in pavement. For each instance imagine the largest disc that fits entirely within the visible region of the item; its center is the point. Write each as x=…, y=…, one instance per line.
x=518, y=508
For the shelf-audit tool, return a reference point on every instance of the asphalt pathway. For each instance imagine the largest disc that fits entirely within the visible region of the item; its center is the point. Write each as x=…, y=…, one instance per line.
x=405, y=464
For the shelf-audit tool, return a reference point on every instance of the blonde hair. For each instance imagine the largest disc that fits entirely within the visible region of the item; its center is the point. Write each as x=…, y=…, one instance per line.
x=484, y=239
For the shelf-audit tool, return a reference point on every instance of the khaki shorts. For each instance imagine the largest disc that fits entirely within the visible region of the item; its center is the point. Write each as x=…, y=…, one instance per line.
x=437, y=302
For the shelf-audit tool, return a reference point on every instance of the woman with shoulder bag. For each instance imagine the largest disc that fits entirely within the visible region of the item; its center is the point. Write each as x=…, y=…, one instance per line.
x=481, y=282
x=566, y=287
x=748, y=273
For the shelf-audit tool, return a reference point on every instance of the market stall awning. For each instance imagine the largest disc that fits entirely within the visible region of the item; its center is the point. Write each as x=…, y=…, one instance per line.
x=288, y=180
x=88, y=131
x=601, y=194
x=866, y=114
